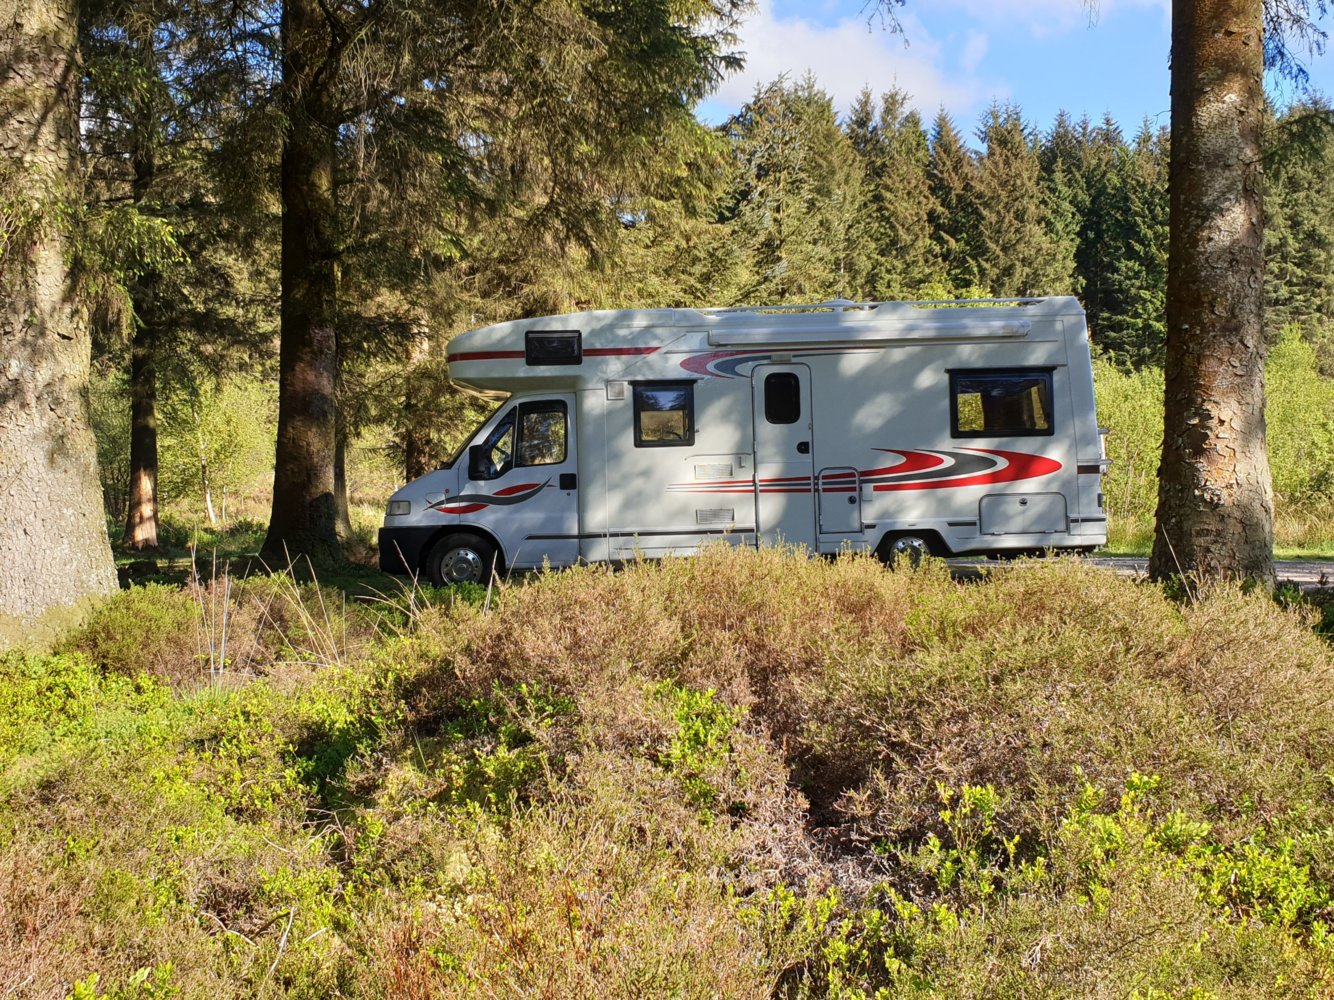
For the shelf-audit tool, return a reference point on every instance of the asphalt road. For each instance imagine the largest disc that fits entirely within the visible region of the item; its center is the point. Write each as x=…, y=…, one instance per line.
x=1307, y=574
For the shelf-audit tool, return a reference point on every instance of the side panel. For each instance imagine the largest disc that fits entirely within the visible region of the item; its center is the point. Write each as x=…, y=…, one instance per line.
x=671, y=496
x=1023, y=513
x=784, y=464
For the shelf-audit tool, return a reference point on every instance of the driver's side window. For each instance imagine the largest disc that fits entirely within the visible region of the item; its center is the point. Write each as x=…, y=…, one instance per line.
x=496, y=456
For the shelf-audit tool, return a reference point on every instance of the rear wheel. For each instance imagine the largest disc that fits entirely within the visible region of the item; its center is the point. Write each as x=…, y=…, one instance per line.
x=460, y=558
x=905, y=550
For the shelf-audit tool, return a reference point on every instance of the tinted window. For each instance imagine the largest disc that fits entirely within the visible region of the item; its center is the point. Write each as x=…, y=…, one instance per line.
x=553, y=347
x=542, y=433
x=1000, y=403
x=664, y=414
x=782, y=398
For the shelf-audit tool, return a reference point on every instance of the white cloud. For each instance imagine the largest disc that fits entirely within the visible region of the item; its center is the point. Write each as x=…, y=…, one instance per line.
x=974, y=51
x=857, y=52
x=1049, y=18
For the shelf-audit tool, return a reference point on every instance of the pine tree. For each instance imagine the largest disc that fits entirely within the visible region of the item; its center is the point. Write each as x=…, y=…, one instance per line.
x=904, y=259
x=1299, y=226
x=172, y=272
x=1215, y=499
x=1133, y=327
x=797, y=196
x=52, y=533
x=1101, y=243
x=954, y=211
x=1020, y=249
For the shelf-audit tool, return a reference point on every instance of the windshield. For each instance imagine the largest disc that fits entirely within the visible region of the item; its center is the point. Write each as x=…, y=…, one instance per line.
x=471, y=435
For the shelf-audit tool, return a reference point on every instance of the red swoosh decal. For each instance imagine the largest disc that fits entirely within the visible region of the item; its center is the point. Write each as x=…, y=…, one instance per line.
x=1021, y=466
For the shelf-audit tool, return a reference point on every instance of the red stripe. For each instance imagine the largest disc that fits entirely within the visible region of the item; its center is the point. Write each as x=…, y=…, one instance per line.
x=913, y=461
x=509, y=491
x=482, y=355
x=592, y=352
x=466, y=508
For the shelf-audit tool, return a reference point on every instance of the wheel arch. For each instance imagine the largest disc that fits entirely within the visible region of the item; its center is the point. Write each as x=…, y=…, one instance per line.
x=935, y=544
x=462, y=529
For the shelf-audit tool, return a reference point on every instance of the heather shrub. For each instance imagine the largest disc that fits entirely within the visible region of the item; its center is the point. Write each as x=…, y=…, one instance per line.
x=151, y=629
x=746, y=774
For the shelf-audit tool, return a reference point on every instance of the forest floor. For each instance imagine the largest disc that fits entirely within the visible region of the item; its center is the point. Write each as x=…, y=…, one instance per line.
x=745, y=774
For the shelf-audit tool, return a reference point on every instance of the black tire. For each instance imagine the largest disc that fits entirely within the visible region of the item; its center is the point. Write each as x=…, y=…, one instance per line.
x=461, y=558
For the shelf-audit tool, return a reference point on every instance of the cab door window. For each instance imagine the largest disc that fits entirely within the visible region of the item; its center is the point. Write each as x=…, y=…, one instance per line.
x=542, y=433
x=541, y=430
x=495, y=456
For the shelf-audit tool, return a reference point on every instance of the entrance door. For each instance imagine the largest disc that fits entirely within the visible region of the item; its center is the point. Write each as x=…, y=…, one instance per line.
x=784, y=465
x=521, y=482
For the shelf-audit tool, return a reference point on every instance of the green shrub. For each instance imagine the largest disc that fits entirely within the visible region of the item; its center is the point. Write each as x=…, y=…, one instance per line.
x=1300, y=428
x=151, y=629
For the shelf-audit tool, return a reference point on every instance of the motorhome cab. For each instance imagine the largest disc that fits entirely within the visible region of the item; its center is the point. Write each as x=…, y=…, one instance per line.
x=896, y=427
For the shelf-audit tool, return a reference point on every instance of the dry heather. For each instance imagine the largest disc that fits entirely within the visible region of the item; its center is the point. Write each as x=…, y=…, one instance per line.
x=746, y=774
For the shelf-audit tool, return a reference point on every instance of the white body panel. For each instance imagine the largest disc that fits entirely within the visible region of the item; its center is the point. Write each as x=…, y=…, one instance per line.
x=864, y=435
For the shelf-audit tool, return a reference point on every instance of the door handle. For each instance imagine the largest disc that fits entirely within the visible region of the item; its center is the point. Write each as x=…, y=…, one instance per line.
x=803, y=447
x=569, y=481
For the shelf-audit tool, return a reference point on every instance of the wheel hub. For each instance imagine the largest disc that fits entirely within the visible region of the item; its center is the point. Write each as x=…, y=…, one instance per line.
x=462, y=566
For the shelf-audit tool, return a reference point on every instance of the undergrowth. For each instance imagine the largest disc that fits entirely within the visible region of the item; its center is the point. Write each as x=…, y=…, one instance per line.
x=745, y=774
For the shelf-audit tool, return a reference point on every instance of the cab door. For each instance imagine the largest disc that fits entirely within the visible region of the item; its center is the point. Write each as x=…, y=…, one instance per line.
x=521, y=483
x=784, y=465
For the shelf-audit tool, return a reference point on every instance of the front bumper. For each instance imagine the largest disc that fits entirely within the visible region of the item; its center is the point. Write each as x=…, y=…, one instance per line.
x=402, y=549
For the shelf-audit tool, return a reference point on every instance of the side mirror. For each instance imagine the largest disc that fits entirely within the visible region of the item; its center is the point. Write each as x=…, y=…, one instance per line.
x=478, y=466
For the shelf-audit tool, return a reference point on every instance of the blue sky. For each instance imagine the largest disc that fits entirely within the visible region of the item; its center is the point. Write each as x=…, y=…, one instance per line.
x=1043, y=55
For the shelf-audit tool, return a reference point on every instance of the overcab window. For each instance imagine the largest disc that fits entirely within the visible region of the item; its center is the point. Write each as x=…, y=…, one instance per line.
x=1012, y=403
x=553, y=347
x=664, y=414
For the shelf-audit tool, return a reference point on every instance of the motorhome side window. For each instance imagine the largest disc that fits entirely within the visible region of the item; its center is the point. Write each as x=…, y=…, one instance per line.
x=542, y=434
x=664, y=414
x=782, y=398
x=1011, y=403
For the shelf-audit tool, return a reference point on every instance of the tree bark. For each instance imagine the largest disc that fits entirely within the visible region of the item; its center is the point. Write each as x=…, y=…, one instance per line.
x=418, y=441
x=304, y=517
x=141, y=523
x=1215, y=502
x=53, y=534
x=141, y=520
x=342, y=508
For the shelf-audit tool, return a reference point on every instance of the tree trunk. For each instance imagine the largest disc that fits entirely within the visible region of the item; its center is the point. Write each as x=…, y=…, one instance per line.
x=303, y=522
x=53, y=534
x=142, y=522
x=1215, y=503
x=342, y=511
x=418, y=441
x=205, y=483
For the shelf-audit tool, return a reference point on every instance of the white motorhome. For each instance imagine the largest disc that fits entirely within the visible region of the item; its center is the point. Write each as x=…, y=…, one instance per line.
x=899, y=428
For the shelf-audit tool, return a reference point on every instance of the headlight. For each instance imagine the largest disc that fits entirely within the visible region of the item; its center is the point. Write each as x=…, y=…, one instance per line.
x=397, y=508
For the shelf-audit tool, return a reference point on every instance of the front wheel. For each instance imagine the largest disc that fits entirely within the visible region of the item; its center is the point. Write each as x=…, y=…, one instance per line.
x=460, y=559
